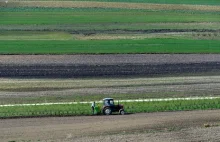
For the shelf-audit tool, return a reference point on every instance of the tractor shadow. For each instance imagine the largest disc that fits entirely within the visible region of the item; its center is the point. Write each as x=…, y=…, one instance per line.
x=115, y=114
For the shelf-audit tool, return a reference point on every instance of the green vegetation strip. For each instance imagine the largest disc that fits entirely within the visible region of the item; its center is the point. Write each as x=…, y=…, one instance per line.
x=97, y=9
x=36, y=35
x=43, y=18
x=84, y=109
x=121, y=5
x=109, y=46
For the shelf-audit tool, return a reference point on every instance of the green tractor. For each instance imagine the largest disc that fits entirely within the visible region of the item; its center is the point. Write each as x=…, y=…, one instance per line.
x=108, y=107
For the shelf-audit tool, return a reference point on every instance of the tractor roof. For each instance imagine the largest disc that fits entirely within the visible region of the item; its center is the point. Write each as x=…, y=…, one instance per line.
x=107, y=99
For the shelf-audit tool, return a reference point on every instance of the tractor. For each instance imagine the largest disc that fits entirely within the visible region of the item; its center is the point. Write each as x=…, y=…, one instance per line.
x=108, y=107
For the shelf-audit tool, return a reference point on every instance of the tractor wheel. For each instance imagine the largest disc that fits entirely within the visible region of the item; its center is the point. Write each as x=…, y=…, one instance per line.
x=122, y=112
x=107, y=111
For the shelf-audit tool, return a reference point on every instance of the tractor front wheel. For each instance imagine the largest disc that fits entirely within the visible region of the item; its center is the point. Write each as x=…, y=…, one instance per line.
x=107, y=111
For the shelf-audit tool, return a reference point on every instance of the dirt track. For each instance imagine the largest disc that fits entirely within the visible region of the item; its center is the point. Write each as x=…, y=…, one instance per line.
x=109, y=59
x=106, y=65
x=170, y=126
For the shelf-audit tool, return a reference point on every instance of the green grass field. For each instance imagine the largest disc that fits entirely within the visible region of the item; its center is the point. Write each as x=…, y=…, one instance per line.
x=109, y=46
x=99, y=17
x=60, y=29
x=84, y=109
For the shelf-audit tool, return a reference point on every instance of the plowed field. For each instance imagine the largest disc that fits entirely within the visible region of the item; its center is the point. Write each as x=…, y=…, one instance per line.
x=166, y=126
x=106, y=65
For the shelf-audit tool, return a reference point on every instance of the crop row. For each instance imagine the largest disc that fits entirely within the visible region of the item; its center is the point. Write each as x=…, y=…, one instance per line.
x=109, y=46
x=84, y=109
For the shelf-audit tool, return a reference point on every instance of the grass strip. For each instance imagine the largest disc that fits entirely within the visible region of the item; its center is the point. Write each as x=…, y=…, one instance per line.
x=84, y=109
x=66, y=9
x=180, y=105
x=45, y=110
x=109, y=46
x=122, y=5
x=44, y=18
x=36, y=35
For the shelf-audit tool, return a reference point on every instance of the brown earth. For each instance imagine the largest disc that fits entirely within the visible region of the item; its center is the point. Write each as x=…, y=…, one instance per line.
x=163, y=126
x=68, y=66
x=108, y=59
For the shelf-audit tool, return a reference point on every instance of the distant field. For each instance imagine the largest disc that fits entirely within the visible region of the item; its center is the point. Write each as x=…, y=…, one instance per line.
x=196, y=2
x=108, y=35
x=124, y=5
x=112, y=27
x=36, y=35
x=100, y=9
x=89, y=19
x=109, y=46
x=99, y=17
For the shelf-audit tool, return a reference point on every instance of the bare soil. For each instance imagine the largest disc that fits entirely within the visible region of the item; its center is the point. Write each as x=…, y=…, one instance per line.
x=164, y=126
x=108, y=59
x=65, y=66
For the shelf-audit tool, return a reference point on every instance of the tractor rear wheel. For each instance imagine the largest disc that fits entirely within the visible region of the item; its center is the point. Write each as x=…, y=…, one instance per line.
x=108, y=111
x=122, y=112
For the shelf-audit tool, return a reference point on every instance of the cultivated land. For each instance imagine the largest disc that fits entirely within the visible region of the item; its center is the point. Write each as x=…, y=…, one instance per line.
x=75, y=66
x=68, y=90
x=69, y=27
x=166, y=126
x=115, y=27
x=164, y=84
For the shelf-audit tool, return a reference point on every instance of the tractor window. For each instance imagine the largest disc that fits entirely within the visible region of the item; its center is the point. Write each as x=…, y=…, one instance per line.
x=106, y=102
x=111, y=102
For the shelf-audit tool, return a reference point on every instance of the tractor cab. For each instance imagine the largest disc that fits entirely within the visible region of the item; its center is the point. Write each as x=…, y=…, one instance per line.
x=108, y=102
x=109, y=107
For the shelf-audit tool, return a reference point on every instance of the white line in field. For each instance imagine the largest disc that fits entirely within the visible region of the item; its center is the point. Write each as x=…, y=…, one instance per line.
x=138, y=100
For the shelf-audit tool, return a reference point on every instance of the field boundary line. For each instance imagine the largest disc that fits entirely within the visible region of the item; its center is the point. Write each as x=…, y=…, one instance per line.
x=135, y=100
x=123, y=5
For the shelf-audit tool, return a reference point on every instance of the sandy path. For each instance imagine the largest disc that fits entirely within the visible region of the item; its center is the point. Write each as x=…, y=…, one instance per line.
x=79, y=128
x=109, y=59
